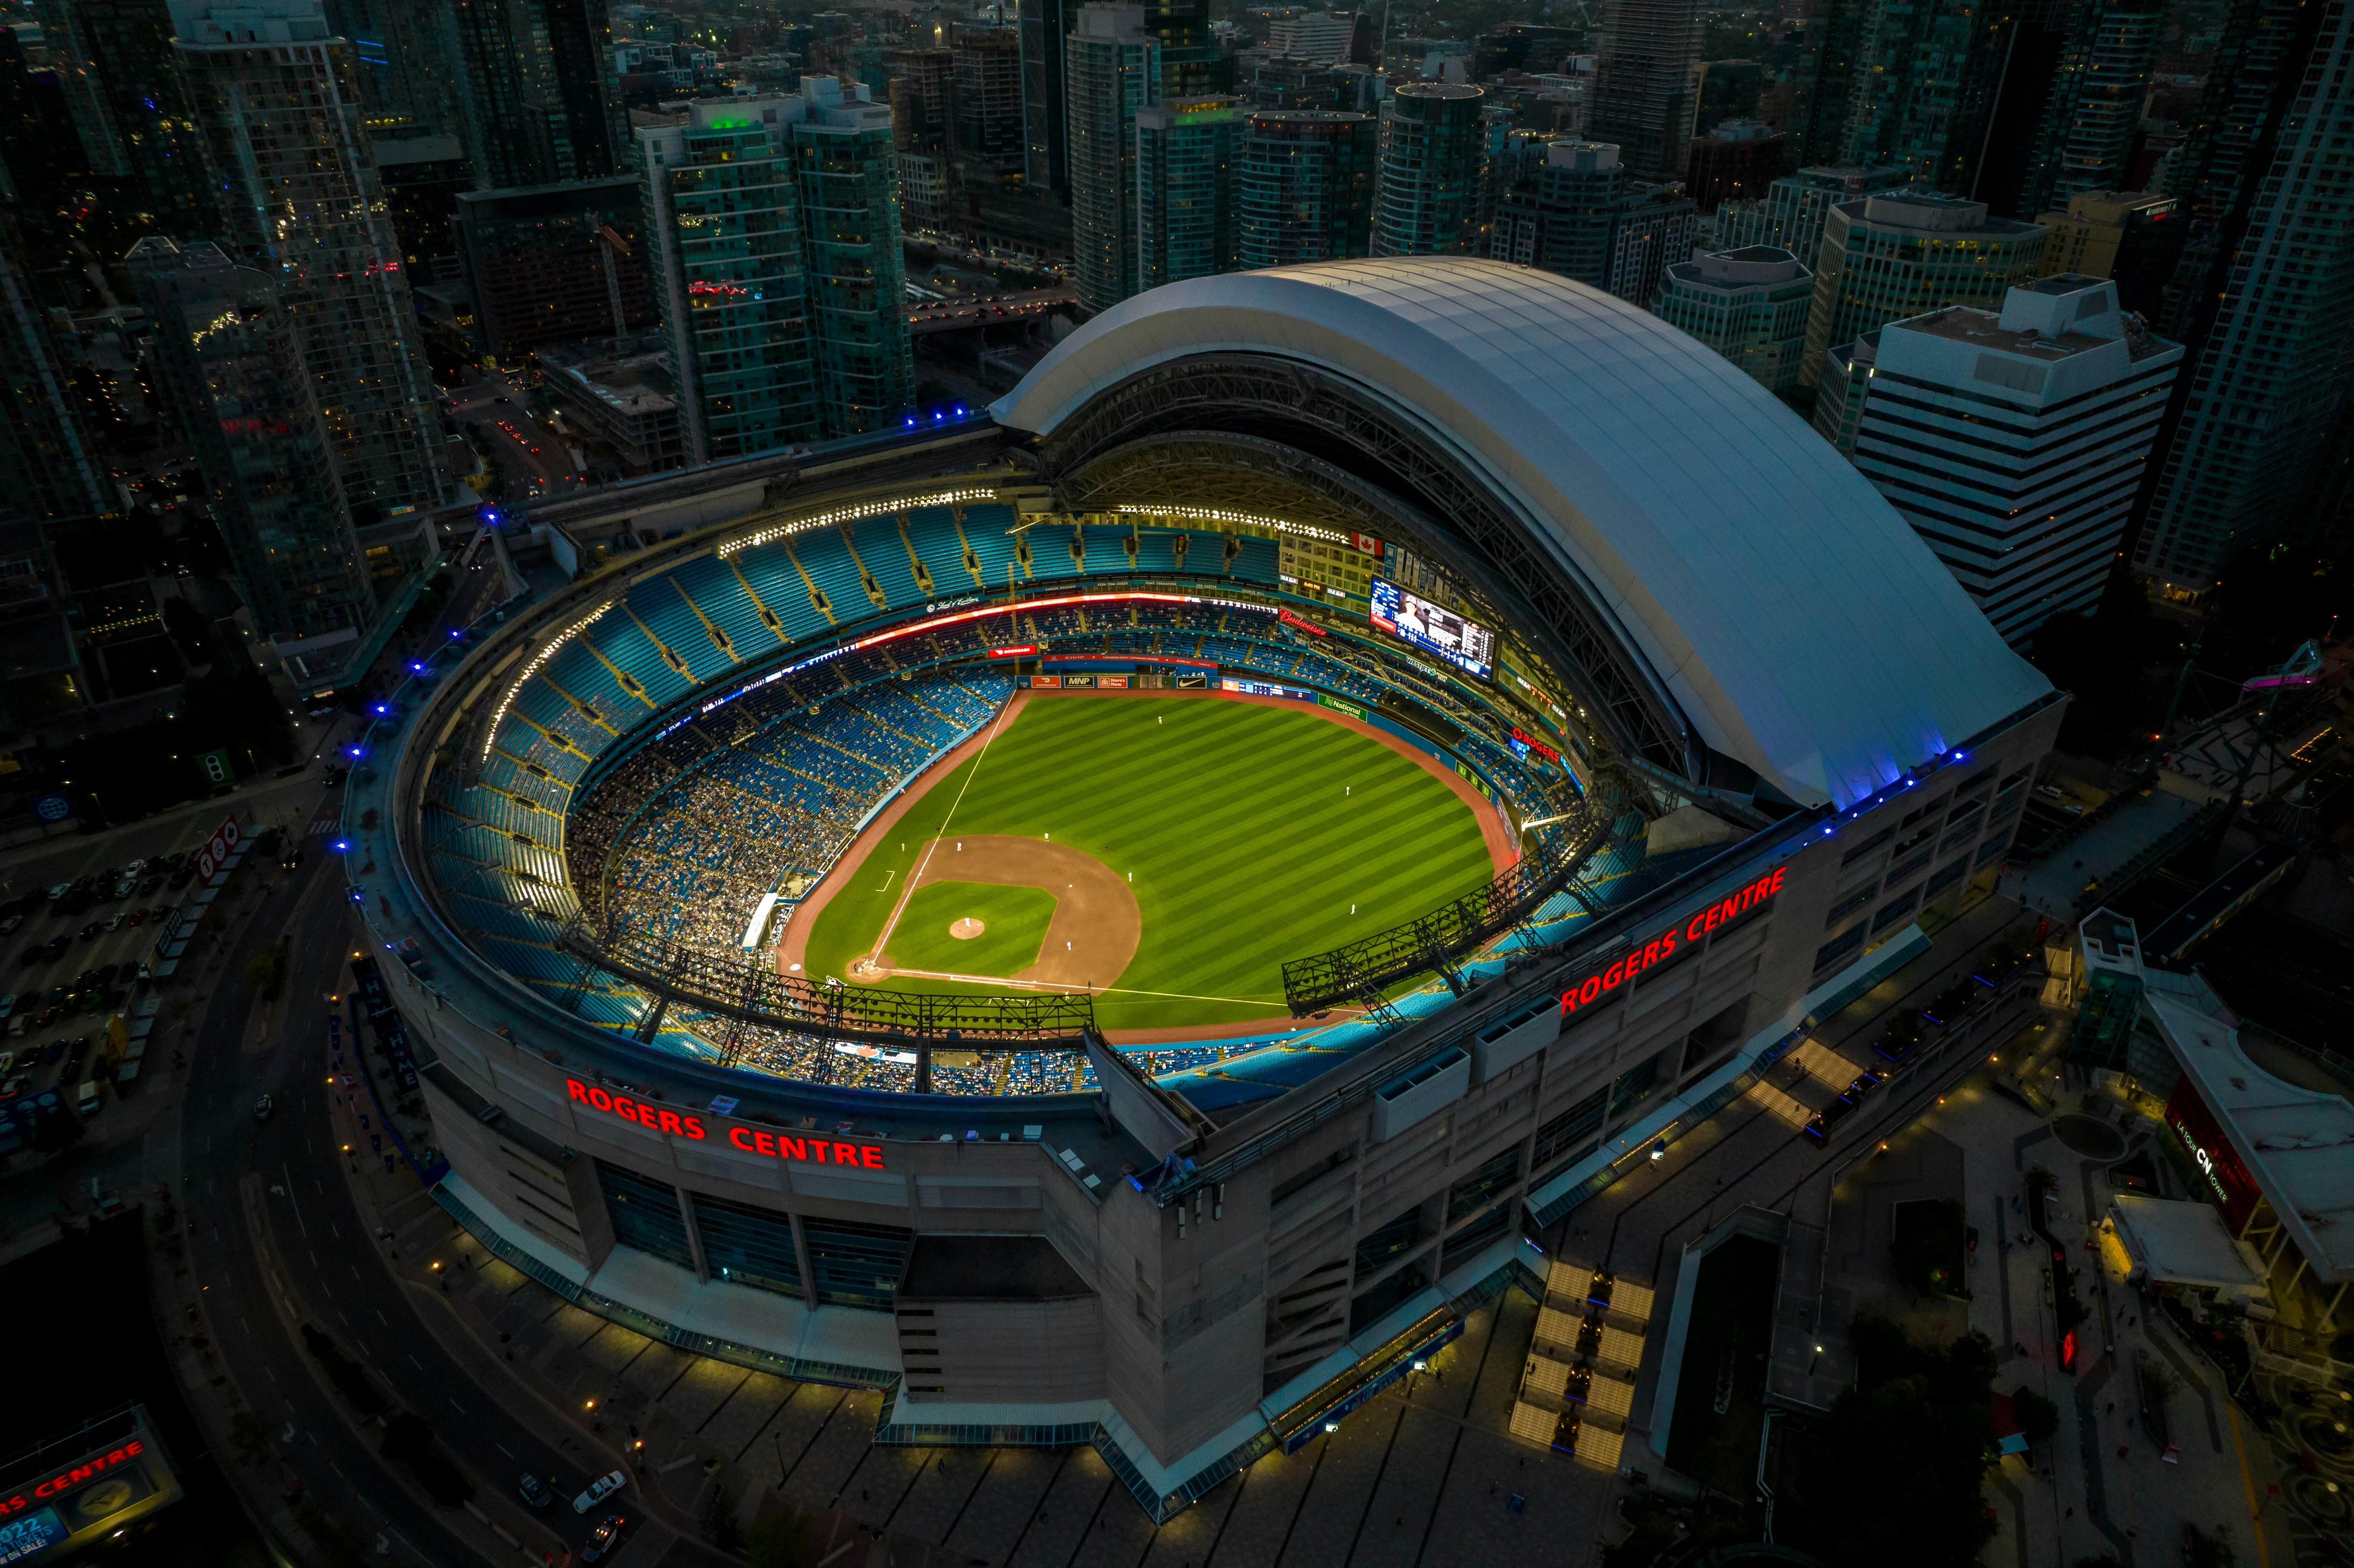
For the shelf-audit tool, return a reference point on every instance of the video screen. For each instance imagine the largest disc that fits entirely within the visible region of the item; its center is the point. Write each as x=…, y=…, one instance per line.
x=1466, y=644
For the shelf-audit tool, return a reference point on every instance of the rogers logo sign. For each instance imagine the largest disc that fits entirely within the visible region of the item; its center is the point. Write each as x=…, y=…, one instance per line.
x=1640, y=958
x=751, y=1140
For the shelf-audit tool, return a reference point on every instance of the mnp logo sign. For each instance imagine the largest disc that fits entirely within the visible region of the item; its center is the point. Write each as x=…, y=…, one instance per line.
x=53, y=808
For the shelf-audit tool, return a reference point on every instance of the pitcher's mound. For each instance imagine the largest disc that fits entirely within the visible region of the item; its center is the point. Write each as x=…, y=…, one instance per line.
x=966, y=930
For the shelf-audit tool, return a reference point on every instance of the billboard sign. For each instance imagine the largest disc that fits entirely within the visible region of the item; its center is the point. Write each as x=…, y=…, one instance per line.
x=226, y=840
x=2227, y=1180
x=1466, y=644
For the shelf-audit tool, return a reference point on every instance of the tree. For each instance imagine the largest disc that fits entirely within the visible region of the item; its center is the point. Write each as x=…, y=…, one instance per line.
x=2039, y=1418
x=1906, y=1450
x=263, y=970
x=249, y=1435
x=2120, y=662
x=2202, y=1550
x=1927, y=1247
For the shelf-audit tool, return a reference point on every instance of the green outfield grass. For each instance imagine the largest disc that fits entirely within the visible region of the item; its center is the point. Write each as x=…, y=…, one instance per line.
x=1250, y=831
x=1016, y=918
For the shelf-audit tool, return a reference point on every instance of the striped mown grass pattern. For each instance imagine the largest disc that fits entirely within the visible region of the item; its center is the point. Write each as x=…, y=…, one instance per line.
x=1250, y=831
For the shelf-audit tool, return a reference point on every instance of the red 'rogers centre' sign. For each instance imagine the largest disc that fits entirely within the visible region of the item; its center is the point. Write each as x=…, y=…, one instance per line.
x=1660, y=946
x=65, y=1480
x=751, y=1140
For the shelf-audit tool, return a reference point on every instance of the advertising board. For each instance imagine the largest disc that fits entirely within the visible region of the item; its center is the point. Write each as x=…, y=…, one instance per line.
x=1466, y=644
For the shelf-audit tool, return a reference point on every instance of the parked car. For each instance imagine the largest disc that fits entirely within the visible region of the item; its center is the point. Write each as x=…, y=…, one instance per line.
x=51, y=1054
x=533, y=1490
x=600, y=1489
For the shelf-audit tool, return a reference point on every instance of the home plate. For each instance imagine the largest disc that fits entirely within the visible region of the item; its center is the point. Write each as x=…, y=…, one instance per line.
x=966, y=930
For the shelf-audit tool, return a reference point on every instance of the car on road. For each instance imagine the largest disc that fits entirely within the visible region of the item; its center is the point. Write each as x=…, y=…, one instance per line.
x=51, y=1054
x=8, y=925
x=157, y=914
x=533, y=1490
x=600, y=1489
x=136, y=918
x=31, y=955
x=114, y=922
x=293, y=860
x=262, y=1108
x=59, y=891
x=603, y=1539
x=77, y=1052
x=89, y=933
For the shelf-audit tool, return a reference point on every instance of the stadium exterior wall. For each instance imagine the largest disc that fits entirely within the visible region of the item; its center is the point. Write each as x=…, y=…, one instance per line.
x=1174, y=1363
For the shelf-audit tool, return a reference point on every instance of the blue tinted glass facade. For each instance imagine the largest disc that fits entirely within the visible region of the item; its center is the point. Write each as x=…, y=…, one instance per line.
x=644, y=1214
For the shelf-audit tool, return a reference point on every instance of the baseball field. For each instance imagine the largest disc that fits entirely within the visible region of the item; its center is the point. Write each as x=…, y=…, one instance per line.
x=1167, y=853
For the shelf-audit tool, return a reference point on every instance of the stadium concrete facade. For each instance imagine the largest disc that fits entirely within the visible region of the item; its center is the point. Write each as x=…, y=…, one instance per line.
x=1747, y=731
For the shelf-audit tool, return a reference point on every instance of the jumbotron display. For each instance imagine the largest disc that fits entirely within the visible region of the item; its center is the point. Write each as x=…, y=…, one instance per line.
x=1466, y=644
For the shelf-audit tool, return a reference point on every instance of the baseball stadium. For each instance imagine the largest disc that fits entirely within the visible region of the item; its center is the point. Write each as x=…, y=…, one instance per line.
x=1197, y=870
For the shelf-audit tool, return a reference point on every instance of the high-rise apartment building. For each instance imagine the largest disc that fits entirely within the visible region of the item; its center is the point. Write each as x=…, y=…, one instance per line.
x=422, y=178
x=537, y=91
x=1735, y=161
x=2013, y=441
x=1188, y=218
x=1578, y=212
x=1924, y=79
x=2264, y=298
x=123, y=86
x=2128, y=237
x=1427, y=198
x=1904, y=254
x=1112, y=69
x=2084, y=139
x=857, y=271
x=986, y=90
x=1312, y=34
x=408, y=66
x=51, y=480
x=232, y=367
x=277, y=104
x=1645, y=91
x=1749, y=306
x=1791, y=212
x=773, y=233
x=1307, y=187
x=554, y=263
x=1044, y=25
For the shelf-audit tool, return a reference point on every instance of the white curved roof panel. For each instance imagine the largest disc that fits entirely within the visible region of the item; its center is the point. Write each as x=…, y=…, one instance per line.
x=1801, y=623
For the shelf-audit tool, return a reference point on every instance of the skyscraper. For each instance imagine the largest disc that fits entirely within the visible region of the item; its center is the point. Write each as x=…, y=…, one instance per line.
x=276, y=105
x=1044, y=25
x=2012, y=442
x=1735, y=161
x=538, y=92
x=1889, y=256
x=407, y=58
x=1923, y=87
x=131, y=111
x=1307, y=187
x=1750, y=305
x=51, y=479
x=774, y=234
x=1791, y=212
x=232, y=364
x=1644, y=91
x=857, y=271
x=987, y=94
x=554, y=263
x=1578, y=212
x=1112, y=69
x=2083, y=140
x=1427, y=200
x=1312, y=34
x=2264, y=298
x=2134, y=239
x=1187, y=217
